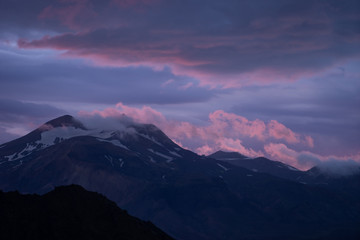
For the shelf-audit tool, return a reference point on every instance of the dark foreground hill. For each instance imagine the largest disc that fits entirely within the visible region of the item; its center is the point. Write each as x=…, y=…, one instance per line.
x=70, y=212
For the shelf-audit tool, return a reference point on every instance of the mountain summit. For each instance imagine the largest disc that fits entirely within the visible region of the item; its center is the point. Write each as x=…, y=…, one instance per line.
x=65, y=121
x=222, y=155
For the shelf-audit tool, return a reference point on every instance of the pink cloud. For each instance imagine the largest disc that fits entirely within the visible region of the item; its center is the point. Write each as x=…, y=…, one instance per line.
x=159, y=55
x=143, y=115
x=303, y=160
x=168, y=82
x=204, y=150
x=235, y=145
x=279, y=131
x=282, y=153
x=224, y=131
x=309, y=141
x=232, y=124
x=270, y=48
x=186, y=86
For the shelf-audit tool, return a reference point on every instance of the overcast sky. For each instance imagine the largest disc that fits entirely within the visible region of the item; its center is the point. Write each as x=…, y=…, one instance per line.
x=279, y=78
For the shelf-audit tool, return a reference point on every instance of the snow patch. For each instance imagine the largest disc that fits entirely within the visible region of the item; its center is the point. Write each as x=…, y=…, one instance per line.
x=168, y=158
x=54, y=135
x=121, y=162
x=225, y=168
x=254, y=170
x=25, y=152
x=114, y=142
x=110, y=159
x=102, y=134
x=175, y=154
x=57, y=135
x=11, y=157
x=249, y=175
x=150, y=138
x=292, y=168
x=48, y=138
x=152, y=160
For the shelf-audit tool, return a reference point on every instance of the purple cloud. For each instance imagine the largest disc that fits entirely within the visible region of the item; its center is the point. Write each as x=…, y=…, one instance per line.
x=228, y=43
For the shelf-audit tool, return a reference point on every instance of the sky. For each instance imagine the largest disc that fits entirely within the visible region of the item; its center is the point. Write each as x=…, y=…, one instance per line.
x=274, y=78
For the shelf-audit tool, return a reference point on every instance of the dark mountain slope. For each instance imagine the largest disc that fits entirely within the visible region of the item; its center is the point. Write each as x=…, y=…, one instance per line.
x=261, y=164
x=186, y=195
x=70, y=212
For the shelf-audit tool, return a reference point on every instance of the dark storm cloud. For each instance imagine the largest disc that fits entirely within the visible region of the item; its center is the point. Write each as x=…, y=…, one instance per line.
x=213, y=41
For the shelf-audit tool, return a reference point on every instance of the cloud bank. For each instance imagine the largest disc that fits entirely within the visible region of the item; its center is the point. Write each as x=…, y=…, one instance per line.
x=230, y=132
x=220, y=43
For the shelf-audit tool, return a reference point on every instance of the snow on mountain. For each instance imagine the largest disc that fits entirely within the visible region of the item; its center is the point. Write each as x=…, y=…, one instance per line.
x=67, y=127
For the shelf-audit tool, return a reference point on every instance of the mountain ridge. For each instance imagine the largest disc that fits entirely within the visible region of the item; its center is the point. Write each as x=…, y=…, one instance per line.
x=187, y=195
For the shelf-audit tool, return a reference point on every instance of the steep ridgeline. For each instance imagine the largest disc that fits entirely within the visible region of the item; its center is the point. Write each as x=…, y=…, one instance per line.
x=186, y=195
x=261, y=164
x=70, y=212
x=348, y=184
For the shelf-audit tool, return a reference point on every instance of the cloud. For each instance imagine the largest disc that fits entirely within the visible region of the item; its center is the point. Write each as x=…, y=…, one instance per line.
x=144, y=115
x=304, y=160
x=340, y=167
x=279, y=131
x=224, y=131
x=325, y=107
x=17, y=118
x=70, y=12
x=11, y=110
x=230, y=132
x=222, y=124
x=129, y=3
x=34, y=76
x=7, y=134
x=228, y=43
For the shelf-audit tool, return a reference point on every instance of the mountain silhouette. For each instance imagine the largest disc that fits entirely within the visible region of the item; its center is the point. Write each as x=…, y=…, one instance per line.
x=187, y=195
x=70, y=212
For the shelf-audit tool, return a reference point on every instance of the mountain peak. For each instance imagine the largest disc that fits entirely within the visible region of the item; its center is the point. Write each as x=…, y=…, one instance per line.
x=227, y=155
x=66, y=121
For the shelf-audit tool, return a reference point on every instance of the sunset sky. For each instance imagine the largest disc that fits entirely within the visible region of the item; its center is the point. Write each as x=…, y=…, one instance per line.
x=274, y=78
